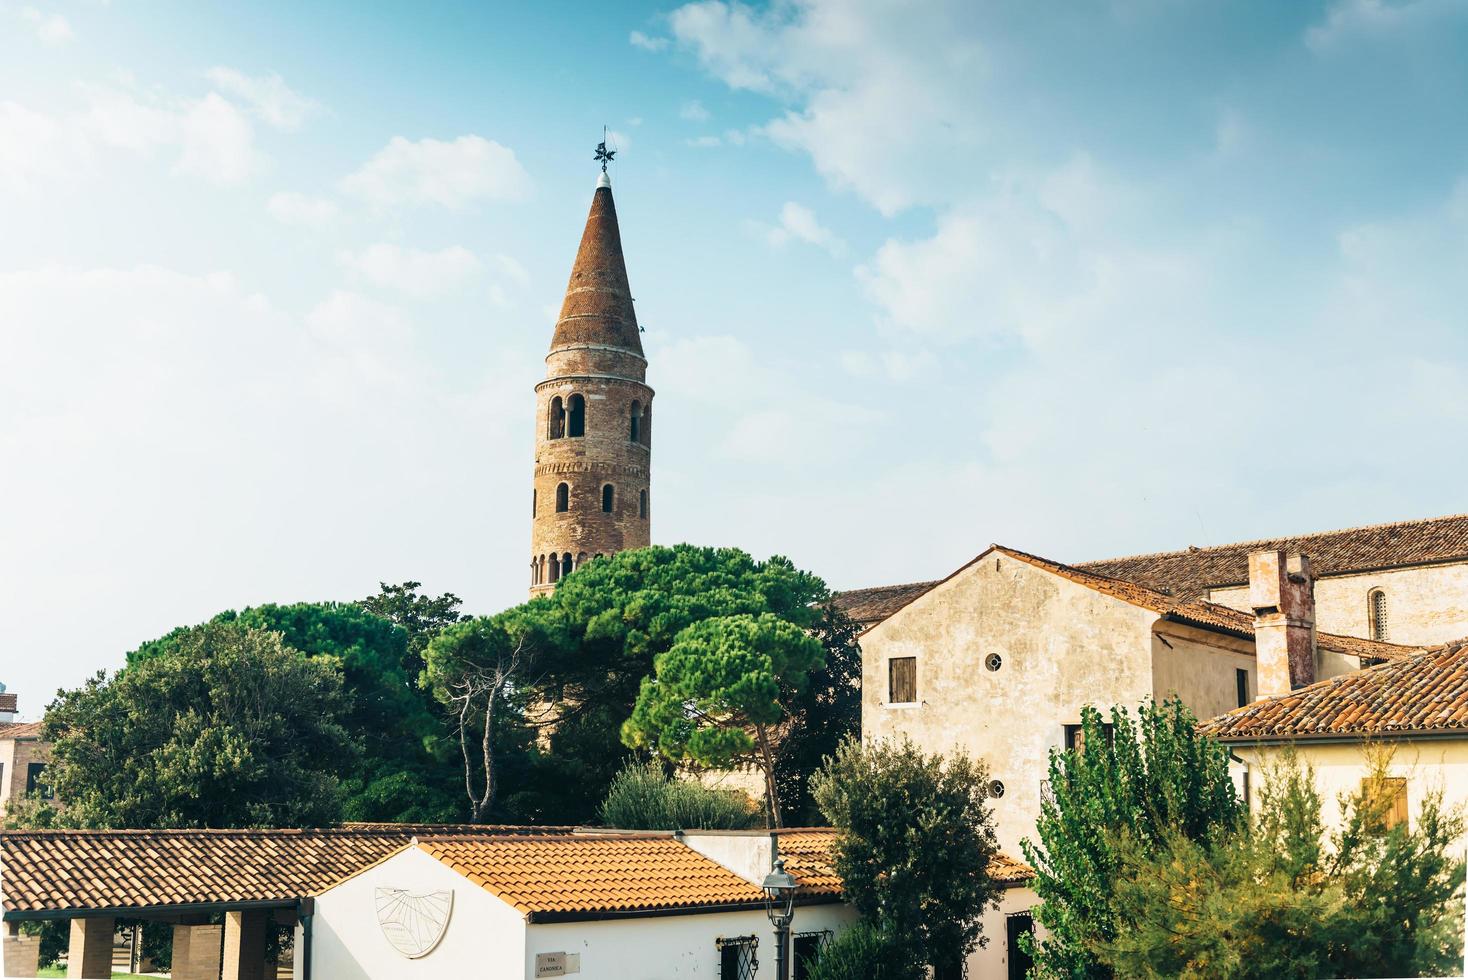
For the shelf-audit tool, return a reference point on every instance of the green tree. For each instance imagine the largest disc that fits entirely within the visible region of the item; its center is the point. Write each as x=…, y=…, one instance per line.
x=1155, y=777
x=421, y=617
x=602, y=628
x=226, y=728
x=405, y=772
x=715, y=693
x=819, y=717
x=863, y=952
x=915, y=840
x=644, y=797
x=1286, y=899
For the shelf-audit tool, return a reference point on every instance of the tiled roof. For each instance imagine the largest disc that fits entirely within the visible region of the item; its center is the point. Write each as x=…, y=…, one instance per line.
x=809, y=856
x=593, y=874
x=1427, y=692
x=1008, y=870
x=868, y=606
x=1189, y=574
x=1208, y=615
x=51, y=870
x=24, y=729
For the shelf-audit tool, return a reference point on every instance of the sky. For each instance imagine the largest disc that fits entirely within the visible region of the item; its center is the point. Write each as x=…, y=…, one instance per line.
x=1088, y=279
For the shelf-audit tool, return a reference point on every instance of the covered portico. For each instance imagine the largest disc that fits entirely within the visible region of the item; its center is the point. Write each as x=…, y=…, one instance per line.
x=221, y=890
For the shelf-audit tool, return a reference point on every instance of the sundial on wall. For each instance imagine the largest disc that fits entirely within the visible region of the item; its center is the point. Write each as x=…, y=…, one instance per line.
x=413, y=924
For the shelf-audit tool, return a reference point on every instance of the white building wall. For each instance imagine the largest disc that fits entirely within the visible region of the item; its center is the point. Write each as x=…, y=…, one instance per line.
x=485, y=938
x=673, y=947
x=991, y=962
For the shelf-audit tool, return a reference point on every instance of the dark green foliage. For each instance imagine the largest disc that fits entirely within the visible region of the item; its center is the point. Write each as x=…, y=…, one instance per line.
x=1157, y=779
x=405, y=773
x=421, y=617
x=864, y=952
x=1285, y=899
x=914, y=846
x=644, y=797
x=819, y=717
x=715, y=693
x=225, y=728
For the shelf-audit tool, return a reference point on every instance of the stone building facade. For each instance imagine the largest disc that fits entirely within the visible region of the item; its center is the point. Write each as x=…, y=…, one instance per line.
x=593, y=415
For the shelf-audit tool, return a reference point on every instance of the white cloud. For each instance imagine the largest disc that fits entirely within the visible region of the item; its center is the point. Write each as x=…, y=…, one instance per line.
x=452, y=174
x=30, y=145
x=1349, y=20
x=413, y=271
x=50, y=28
x=302, y=210
x=798, y=223
x=693, y=111
x=640, y=40
x=217, y=143
x=268, y=97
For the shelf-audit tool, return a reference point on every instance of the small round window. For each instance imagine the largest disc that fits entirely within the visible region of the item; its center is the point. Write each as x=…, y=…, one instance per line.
x=993, y=661
x=996, y=789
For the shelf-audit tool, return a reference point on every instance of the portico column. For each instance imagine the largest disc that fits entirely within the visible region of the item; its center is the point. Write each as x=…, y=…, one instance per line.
x=90, y=953
x=244, y=945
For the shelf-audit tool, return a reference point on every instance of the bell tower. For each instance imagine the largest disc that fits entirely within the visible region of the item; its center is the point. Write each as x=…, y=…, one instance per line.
x=593, y=413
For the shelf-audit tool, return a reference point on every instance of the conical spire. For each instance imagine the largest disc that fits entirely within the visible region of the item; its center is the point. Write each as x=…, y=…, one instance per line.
x=598, y=305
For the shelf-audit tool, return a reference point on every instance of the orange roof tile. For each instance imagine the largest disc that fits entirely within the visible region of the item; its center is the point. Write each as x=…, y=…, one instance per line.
x=1206, y=615
x=22, y=729
x=1425, y=693
x=594, y=874
x=57, y=870
x=1190, y=573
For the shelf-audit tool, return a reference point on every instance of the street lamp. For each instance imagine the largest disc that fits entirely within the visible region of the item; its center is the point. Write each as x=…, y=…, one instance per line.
x=780, y=907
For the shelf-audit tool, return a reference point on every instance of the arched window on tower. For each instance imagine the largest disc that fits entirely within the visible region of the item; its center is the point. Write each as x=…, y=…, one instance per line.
x=566, y=565
x=555, y=568
x=576, y=416
x=642, y=504
x=532, y=501
x=563, y=498
x=1376, y=612
x=634, y=433
x=556, y=426
x=534, y=573
x=608, y=497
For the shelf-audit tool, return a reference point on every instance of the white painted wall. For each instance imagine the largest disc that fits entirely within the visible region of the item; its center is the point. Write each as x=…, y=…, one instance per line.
x=992, y=961
x=674, y=947
x=485, y=937
x=749, y=855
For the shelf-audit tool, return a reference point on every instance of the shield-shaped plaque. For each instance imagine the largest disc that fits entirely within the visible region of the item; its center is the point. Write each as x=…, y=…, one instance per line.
x=413, y=924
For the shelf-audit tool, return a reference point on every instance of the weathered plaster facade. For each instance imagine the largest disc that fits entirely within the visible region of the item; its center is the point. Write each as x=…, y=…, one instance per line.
x=1061, y=646
x=1425, y=604
x=593, y=415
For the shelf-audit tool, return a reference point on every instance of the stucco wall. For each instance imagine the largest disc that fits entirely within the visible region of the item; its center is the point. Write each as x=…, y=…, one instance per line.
x=992, y=961
x=1426, y=764
x=1425, y=605
x=1198, y=667
x=1063, y=646
x=16, y=756
x=675, y=947
x=484, y=938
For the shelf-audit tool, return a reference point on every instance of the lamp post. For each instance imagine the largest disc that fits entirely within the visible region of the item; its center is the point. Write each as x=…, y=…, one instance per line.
x=780, y=907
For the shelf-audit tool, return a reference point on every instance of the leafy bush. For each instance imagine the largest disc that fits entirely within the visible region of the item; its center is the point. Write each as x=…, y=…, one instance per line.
x=643, y=797
x=864, y=952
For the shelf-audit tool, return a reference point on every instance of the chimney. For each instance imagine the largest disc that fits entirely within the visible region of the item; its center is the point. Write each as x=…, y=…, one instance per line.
x=1282, y=595
x=8, y=706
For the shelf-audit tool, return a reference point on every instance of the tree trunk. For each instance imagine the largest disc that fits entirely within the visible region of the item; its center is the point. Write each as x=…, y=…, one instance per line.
x=769, y=767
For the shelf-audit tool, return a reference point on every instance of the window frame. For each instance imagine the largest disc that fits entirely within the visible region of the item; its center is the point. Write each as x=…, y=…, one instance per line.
x=908, y=662
x=1070, y=740
x=1241, y=686
x=746, y=952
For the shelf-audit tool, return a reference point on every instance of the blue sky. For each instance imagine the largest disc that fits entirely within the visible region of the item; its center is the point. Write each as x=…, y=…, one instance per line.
x=1087, y=279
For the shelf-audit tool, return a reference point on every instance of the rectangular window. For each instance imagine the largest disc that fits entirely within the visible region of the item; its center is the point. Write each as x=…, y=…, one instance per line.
x=35, y=776
x=1241, y=685
x=902, y=680
x=804, y=948
x=1391, y=793
x=736, y=957
x=1075, y=735
x=1016, y=926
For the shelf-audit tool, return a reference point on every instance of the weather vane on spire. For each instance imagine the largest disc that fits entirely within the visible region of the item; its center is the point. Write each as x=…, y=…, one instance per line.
x=602, y=153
